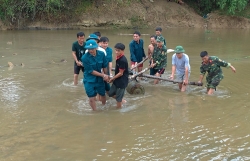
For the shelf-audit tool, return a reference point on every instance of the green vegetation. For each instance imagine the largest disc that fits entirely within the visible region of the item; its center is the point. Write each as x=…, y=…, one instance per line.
x=138, y=22
x=49, y=10
x=230, y=7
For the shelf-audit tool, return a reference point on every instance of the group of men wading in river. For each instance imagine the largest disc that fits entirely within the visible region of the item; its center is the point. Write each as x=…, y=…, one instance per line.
x=94, y=58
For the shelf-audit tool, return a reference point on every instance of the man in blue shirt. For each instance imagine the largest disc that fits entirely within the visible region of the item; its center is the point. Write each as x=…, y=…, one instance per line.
x=104, y=43
x=136, y=49
x=94, y=61
x=180, y=64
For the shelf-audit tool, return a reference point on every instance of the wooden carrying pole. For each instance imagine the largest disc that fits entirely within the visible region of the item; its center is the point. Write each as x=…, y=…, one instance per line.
x=169, y=80
x=139, y=63
x=139, y=74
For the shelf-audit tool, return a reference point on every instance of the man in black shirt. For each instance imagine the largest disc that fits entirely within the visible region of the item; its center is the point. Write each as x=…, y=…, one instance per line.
x=120, y=80
x=78, y=50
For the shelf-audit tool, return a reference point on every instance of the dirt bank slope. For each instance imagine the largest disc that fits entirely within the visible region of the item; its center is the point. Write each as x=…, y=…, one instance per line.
x=163, y=13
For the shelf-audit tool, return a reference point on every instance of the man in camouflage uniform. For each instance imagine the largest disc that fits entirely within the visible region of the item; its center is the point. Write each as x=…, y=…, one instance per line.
x=211, y=65
x=159, y=59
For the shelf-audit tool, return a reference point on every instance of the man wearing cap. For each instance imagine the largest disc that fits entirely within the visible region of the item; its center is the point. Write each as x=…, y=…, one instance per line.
x=180, y=65
x=211, y=65
x=77, y=51
x=94, y=61
x=158, y=31
x=137, y=52
x=159, y=59
x=120, y=79
x=96, y=38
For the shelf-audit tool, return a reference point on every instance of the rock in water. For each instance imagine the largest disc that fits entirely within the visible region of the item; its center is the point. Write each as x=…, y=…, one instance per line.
x=10, y=64
x=63, y=61
x=135, y=88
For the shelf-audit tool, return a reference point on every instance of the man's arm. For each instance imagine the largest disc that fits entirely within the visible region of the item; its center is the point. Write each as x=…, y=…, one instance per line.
x=185, y=81
x=117, y=75
x=202, y=73
x=79, y=63
x=173, y=67
x=187, y=65
x=173, y=71
x=201, y=78
x=90, y=69
x=150, y=51
x=224, y=64
x=143, y=52
x=122, y=68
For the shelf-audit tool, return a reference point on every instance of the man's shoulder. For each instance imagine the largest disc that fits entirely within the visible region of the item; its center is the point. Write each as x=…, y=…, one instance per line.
x=213, y=57
x=150, y=45
x=109, y=49
x=75, y=43
x=85, y=56
x=124, y=59
x=100, y=51
x=185, y=56
x=132, y=42
x=164, y=48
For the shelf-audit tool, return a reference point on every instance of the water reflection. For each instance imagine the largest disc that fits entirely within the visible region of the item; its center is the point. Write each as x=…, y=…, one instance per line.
x=11, y=91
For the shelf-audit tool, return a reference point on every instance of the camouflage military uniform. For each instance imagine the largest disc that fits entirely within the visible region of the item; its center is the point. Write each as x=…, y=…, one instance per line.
x=160, y=57
x=214, y=71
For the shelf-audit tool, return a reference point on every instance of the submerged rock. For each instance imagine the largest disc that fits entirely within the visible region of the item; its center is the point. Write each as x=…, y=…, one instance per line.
x=10, y=64
x=63, y=61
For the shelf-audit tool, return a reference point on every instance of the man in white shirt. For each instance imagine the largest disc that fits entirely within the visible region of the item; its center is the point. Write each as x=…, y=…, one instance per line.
x=180, y=65
x=95, y=37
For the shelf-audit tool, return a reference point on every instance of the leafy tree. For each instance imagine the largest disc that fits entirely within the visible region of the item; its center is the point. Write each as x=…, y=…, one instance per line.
x=232, y=5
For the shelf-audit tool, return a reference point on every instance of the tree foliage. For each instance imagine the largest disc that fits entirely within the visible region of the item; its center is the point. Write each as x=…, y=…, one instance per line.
x=12, y=10
x=230, y=6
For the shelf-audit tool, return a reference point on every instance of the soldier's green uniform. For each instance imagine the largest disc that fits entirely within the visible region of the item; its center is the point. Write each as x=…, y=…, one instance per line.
x=160, y=58
x=214, y=71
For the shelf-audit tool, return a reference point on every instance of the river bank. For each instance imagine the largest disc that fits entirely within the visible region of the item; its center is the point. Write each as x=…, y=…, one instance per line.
x=140, y=14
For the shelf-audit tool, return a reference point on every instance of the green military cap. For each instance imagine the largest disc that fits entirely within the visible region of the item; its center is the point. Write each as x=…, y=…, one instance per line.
x=179, y=49
x=160, y=39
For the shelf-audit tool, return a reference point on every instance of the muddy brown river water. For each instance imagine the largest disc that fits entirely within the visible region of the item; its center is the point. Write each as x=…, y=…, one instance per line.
x=44, y=117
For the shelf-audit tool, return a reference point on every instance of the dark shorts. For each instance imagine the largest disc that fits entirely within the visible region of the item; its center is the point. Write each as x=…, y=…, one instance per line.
x=107, y=86
x=133, y=63
x=77, y=69
x=117, y=92
x=92, y=89
x=154, y=71
x=213, y=82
